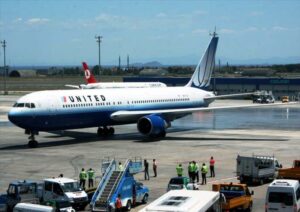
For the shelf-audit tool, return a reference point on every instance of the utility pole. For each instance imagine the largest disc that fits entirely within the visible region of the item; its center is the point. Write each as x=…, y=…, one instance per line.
x=4, y=69
x=119, y=62
x=98, y=40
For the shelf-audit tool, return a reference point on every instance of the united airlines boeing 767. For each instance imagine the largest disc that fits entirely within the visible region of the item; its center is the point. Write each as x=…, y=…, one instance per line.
x=153, y=109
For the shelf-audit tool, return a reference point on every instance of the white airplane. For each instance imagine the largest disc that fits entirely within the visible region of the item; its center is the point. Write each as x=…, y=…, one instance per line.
x=93, y=84
x=153, y=109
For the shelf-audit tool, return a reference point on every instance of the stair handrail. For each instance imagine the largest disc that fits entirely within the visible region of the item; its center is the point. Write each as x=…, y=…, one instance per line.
x=98, y=192
x=126, y=166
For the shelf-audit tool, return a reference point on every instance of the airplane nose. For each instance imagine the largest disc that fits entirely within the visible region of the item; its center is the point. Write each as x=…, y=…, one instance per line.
x=12, y=116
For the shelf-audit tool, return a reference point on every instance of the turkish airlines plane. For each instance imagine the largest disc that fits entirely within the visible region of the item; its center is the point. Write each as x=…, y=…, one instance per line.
x=153, y=108
x=93, y=84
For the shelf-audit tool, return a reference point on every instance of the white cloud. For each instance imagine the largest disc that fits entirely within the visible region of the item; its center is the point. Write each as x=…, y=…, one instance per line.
x=37, y=21
x=226, y=31
x=161, y=15
x=279, y=28
x=18, y=20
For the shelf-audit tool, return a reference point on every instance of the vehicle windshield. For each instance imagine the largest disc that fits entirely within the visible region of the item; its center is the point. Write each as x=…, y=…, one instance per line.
x=71, y=187
x=281, y=197
x=178, y=181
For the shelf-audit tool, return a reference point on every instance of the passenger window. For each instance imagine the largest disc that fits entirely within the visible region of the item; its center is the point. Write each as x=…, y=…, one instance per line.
x=21, y=105
x=11, y=190
x=27, y=105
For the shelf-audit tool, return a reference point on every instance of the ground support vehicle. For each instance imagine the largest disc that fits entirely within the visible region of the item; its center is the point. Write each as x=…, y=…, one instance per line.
x=3, y=206
x=177, y=183
x=186, y=201
x=290, y=173
x=63, y=189
x=237, y=196
x=24, y=191
x=115, y=182
x=256, y=169
x=283, y=195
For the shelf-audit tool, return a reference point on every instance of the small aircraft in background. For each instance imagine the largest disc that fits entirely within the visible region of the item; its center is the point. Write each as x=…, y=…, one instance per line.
x=93, y=84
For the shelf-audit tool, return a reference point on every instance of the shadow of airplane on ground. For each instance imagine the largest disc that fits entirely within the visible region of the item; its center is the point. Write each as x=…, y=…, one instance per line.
x=87, y=137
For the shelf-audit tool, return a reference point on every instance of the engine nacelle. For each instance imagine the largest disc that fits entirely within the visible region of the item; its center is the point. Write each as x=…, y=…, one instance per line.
x=153, y=126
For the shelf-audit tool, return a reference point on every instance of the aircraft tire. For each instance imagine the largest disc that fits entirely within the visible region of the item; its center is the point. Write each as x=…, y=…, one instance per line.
x=100, y=131
x=111, y=131
x=33, y=144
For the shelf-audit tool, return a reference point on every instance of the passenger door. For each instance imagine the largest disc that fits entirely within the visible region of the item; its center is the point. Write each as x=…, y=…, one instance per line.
x=48, y=193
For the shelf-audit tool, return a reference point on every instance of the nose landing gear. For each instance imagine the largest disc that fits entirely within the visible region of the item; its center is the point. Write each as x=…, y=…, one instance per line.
x=32, y=143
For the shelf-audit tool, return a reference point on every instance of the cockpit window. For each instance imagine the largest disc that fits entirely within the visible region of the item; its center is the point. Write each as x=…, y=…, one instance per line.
x=28, y=105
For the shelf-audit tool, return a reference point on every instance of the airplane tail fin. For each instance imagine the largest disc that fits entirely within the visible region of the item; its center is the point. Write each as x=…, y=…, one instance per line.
x=204, y=69
x=89, y=77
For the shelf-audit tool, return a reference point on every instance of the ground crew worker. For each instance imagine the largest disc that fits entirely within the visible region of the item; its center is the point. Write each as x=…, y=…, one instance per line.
x=190, y=171
x=179, y=170
x=212, y=166
x=154, y=168
x=91, y=174
x=82, y=178
x=204, y=171
x=118, y=204
x=120, y=167
x=146, y=170
x=196, y=171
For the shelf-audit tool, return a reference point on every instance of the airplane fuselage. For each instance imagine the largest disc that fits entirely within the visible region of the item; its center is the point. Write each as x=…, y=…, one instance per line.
x=72, y=109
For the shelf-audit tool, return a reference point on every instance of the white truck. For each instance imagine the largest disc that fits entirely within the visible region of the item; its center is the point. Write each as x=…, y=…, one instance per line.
x=60, y=189
x=187, y=201
x=256, y=169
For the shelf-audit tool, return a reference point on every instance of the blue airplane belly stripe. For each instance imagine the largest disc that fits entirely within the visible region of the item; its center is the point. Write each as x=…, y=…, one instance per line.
x=66, y=118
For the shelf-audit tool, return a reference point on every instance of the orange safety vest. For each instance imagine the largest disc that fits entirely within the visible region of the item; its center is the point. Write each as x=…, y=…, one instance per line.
x=118, y=203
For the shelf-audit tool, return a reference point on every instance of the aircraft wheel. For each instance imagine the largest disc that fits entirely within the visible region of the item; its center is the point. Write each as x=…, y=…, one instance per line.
x=111, y=131
x=100, y=131
x=33, y=144
x=105, y=131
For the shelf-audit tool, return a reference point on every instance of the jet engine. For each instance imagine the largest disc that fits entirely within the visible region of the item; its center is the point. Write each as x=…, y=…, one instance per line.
x=153, y=126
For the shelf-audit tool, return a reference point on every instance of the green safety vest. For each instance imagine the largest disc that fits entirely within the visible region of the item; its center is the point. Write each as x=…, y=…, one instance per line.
x=179, y=170
x=82, y=175
x=191, y=168
x=196, y=167
x=121, y=167
x=91, y=174
x=204, y=169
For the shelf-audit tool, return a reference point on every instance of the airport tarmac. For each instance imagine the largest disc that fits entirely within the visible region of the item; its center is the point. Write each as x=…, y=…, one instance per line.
x=222, y=134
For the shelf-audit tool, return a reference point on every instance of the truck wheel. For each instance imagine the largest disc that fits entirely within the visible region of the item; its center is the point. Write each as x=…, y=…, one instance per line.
x=128, y=205
x=145, y=199
x=249, y=209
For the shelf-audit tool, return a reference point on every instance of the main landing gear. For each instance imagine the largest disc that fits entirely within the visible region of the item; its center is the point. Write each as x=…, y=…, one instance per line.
x=32, y=143
x=105, y=131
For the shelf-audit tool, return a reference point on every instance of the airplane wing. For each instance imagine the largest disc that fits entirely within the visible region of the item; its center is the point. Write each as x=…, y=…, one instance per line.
x=169, y=113
x=230, y=96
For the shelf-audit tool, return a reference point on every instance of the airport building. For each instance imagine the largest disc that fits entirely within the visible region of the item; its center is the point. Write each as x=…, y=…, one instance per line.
x=279, y=86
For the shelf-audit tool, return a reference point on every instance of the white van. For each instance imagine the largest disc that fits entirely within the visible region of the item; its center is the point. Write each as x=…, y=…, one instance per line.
x=186, y=201
x=283, y=196
x=28, y=207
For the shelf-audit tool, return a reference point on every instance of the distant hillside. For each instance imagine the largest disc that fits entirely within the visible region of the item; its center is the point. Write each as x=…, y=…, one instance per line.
x=148, y=64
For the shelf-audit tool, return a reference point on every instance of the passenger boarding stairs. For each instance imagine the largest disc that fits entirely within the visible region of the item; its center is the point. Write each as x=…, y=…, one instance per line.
x=110, y=182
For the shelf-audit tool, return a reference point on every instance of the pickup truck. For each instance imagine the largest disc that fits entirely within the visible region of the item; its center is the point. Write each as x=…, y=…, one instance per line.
x=290, y=173
x=24, y=191
x=237, y=196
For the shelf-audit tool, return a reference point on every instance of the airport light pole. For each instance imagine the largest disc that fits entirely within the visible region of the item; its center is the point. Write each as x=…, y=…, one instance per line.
x=98, y=40
x=4, y=69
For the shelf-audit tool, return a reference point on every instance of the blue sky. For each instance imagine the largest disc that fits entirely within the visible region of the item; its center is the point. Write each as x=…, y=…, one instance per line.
x=61, y=32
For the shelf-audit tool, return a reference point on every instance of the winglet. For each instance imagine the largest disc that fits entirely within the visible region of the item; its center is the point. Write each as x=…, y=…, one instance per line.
x=203, y=71
x=89, y=77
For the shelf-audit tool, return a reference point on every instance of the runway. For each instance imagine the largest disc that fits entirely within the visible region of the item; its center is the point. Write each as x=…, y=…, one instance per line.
x=222, y=134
